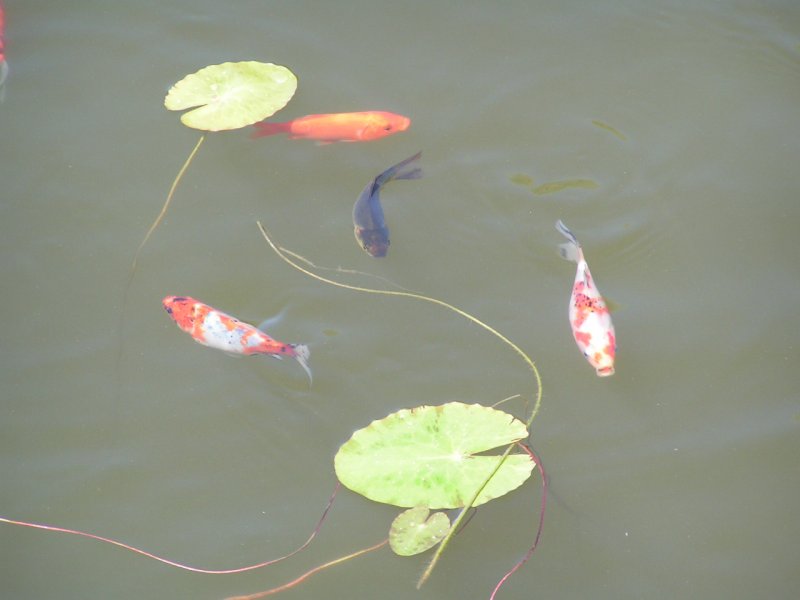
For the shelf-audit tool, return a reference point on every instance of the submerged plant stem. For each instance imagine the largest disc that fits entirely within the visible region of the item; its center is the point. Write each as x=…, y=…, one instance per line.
x=132, y=270
x=173, y=563
x=309, y=573
x=164, y=208
x=283, y=254
x=540, y=527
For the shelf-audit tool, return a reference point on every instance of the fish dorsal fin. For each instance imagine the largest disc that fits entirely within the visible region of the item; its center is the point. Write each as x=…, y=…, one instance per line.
x=270, y=321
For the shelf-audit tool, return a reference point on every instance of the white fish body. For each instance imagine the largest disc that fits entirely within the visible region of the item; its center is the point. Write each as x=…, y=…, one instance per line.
x=589, y=316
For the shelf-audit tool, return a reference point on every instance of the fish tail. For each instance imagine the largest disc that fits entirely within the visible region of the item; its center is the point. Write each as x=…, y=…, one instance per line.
x=570, y=250
x=264, y=128
x=301, y=354
x=398, y=171
x=414, y=173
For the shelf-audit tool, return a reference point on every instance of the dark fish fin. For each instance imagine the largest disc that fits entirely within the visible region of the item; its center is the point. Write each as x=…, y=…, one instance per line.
x=414, y=173
x=397, y=171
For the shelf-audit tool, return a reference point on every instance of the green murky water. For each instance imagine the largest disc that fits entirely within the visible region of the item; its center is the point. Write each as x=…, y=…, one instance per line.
x=677, y=477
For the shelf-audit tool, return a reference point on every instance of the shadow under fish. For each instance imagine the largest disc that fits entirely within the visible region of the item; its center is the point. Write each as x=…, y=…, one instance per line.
x=370, y=226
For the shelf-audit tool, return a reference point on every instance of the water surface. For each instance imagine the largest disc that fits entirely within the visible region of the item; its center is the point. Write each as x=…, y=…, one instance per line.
x=677, y=477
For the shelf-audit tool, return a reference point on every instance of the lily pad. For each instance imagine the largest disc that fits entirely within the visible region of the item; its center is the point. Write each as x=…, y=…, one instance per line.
x=425, y=456
x=232, y=95
x=413, y=532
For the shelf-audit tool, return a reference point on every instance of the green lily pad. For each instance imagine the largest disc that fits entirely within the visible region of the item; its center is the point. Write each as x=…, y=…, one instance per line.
x=413, y=532
x=232, y=95
x=425, y=456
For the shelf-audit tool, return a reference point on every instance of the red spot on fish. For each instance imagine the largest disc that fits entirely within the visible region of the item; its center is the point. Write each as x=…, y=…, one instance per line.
x=612, y=345
x=583, y=337
x=582, y=301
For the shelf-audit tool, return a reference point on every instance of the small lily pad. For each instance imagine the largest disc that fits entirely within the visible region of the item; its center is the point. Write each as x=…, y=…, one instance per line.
x=232, y=95
x=425, y=456
x=413, y=532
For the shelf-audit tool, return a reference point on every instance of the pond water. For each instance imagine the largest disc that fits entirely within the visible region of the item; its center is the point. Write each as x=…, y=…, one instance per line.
x=677, y=124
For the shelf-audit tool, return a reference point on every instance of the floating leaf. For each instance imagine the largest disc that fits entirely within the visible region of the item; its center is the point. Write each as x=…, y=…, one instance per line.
x=557, y=186
x=232, y=95
x=413, y=532
x=425, y=456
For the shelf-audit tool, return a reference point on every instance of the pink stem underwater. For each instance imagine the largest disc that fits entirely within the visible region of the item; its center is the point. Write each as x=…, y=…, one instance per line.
x=173, y=563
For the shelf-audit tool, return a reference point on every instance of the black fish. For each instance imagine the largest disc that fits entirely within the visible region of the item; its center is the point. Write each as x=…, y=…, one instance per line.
x=370, y=227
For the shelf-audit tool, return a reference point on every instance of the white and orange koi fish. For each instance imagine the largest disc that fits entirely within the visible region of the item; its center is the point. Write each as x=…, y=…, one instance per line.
x=588, y=314
x=215, y=329
x=3, y=63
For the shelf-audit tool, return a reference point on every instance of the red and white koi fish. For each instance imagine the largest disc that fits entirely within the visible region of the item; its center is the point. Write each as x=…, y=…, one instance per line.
x=588, y=314
x=215, y=329
x=3, y=63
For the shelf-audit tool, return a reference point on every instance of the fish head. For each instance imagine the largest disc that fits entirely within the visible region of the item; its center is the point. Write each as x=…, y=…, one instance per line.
x=381, y=124
x=181, y=309
x=374, y=241
x=601, y=354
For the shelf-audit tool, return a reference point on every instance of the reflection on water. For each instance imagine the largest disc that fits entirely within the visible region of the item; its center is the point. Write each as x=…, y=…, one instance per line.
x=667, y=135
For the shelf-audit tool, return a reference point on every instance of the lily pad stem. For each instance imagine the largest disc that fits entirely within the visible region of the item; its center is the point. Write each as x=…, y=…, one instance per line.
x=171, y=193
x=282, y=253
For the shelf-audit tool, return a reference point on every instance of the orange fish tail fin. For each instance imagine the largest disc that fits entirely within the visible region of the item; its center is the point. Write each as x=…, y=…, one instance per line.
x=264, y=128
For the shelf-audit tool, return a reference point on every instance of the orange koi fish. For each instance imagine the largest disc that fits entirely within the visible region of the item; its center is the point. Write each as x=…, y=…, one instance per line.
x=3, y=63
x=370, y=227
x=588, y=314
x=340, y=127
x=215, y=329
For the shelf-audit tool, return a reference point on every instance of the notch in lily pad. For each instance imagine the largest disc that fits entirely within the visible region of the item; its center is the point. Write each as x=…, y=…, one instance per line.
x=427, y=456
